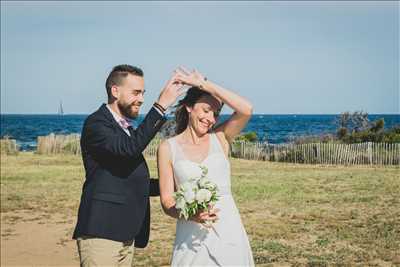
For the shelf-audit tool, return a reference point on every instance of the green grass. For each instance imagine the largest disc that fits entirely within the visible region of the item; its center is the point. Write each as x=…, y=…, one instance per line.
x=296, y=215
x=41, y=183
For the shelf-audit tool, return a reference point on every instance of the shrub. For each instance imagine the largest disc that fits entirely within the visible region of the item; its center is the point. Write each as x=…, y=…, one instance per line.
x=356, y=128
x=247, y=137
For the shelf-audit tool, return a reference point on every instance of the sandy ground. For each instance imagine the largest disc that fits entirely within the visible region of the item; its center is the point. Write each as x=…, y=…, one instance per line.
x=34, y=239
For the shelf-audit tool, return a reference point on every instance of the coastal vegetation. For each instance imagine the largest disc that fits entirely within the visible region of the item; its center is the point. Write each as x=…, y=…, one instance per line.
x=357, y=141
x=355, y=128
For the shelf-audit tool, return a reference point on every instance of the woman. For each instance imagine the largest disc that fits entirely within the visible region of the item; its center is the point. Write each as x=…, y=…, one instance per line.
x=196, y=144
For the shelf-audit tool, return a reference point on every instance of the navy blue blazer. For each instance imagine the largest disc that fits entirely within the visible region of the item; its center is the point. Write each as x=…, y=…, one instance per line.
x=115, y=196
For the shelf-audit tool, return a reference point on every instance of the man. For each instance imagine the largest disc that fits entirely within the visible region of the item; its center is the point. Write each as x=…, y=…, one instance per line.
x=114, y=212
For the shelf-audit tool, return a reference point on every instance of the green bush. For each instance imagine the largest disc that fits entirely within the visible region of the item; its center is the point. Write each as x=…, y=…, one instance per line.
x=392, y=135
x=356, y=128
x=247, y=137
x=375, y=134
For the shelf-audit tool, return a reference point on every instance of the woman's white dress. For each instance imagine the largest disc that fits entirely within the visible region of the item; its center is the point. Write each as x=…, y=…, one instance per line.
x=225, y=245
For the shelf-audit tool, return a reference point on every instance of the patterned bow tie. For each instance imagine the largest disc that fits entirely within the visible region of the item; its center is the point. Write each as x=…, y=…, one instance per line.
x=125, y=123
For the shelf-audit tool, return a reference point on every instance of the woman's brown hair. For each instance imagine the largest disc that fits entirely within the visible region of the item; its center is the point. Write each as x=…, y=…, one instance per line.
x=181, y=114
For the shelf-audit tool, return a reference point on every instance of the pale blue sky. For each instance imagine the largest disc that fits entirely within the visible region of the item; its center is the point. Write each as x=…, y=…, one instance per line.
x=286, y=57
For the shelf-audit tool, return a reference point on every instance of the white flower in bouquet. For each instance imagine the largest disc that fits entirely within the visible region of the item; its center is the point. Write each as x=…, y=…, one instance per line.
x=203, y=195
x=197, y=193
x=189, y=186
x=189, y=196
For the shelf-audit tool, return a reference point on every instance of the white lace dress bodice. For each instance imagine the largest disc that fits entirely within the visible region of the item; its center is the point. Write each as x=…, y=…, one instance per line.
x=227, y=243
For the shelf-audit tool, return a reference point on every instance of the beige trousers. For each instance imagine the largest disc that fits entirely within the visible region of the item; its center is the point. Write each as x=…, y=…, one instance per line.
x=103, y=252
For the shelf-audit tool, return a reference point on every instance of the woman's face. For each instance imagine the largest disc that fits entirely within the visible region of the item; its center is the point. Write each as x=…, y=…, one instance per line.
x=204, y=114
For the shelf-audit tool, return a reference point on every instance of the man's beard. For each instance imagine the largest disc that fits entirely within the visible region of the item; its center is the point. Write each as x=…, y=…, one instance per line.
x=127, y=112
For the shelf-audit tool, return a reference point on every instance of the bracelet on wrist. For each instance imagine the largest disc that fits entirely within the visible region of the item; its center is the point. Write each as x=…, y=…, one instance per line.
x=161, y=108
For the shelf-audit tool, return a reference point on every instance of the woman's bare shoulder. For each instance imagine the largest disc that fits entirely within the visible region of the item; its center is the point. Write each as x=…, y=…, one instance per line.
x=165, y=144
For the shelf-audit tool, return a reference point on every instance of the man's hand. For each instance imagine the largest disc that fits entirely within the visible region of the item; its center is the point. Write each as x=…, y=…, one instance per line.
x=172, y=90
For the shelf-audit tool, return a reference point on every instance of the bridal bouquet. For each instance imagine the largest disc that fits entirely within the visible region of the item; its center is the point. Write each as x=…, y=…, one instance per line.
x=198, y=193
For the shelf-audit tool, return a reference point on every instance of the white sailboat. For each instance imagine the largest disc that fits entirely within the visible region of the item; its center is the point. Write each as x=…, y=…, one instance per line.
x=60, y=109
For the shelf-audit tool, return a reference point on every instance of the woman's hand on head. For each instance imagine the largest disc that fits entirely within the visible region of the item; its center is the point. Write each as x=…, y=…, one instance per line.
x=193, y=78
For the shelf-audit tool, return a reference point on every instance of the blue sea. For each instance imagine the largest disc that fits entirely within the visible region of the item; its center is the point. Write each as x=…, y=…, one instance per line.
x=271, y=128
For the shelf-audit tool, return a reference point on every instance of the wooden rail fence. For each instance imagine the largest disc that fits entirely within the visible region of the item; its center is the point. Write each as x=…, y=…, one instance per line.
x=313, y=153
x=321, y=153
x=57, y=144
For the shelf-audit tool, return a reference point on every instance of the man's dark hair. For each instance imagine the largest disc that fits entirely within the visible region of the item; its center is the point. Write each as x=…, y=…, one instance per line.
x=117, y=75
